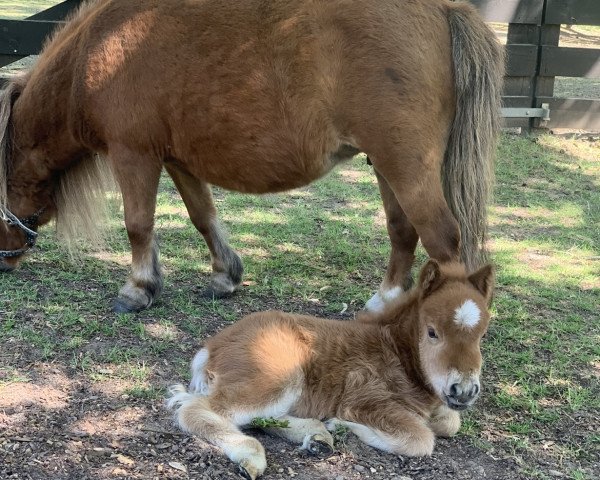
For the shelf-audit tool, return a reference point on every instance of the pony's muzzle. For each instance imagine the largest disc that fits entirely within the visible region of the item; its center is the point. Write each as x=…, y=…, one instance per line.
x=7, y=266
x=462, y=395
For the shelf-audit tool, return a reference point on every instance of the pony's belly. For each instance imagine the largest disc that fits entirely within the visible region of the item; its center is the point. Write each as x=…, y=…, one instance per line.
x=257, y=173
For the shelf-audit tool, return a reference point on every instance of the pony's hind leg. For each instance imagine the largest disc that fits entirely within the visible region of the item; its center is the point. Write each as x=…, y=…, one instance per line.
x=413, y=174
x=310, y=433
x=226, y=264
x=138, y=179
x=194, y=414
x=403, y=238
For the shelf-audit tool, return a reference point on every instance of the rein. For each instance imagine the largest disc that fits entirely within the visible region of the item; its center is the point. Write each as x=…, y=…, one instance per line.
x=26, y=225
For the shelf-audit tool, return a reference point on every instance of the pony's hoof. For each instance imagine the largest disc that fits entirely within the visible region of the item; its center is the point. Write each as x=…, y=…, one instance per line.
x=319, y=447
x=221, y=285
x=6, y=268
x=124, y=305
x=211, y=293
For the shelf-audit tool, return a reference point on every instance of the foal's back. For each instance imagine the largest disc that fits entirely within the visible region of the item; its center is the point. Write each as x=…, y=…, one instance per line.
x=320, y=361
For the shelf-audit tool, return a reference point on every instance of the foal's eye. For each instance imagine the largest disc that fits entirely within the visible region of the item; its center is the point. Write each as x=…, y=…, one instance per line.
x=431, y=333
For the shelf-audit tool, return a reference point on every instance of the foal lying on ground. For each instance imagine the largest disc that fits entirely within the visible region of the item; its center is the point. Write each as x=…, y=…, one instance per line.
x=395, y=379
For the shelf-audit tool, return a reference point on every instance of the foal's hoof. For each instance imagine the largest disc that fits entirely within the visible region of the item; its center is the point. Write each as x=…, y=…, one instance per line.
x=248, y=471
x=319, y=446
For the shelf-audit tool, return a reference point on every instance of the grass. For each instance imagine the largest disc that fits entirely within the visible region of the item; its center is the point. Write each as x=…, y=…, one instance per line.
x=18, y=9
x=323, y=248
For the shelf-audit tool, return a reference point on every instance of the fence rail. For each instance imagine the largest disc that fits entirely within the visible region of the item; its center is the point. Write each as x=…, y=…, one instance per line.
x=534, y=55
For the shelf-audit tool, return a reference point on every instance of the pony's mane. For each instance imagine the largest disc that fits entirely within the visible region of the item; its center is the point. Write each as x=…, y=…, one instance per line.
x=7, y=97
x=81, y=203
x=71, y=22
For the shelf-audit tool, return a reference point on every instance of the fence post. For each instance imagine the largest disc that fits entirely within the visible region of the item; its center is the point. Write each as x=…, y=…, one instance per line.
x=544, y=85
x=519, y=84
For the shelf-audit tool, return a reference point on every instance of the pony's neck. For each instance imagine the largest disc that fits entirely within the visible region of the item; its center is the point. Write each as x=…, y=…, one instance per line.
x=41, y=117
x=43, y=142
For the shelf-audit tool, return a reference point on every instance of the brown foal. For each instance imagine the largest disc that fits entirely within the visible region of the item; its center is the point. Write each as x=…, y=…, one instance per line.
x=396, y=379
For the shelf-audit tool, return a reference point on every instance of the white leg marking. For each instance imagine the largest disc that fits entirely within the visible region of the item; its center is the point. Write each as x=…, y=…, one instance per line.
x=275, y=410
x=199, y=383
x=303, y=431
x=445, y=422
x=378, y=301
x=193, y=414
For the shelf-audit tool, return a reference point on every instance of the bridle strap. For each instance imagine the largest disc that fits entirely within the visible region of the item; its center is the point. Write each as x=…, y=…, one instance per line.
x=26, y=225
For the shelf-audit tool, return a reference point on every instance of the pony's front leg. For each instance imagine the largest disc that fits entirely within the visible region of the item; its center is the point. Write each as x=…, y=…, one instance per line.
x=403, y=238
x=138, y=178
x=310, y=433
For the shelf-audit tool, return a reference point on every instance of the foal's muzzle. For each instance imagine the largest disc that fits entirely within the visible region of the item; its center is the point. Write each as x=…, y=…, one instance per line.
x=462, y=395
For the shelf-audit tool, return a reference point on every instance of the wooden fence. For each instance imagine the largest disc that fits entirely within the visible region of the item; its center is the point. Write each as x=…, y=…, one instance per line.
x=534, y=57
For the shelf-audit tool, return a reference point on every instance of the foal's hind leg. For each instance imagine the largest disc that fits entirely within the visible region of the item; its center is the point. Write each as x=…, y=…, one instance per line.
x=310, y=433
x=195, y=415
x=403, y=238
x=226, y=264
x=138, y=178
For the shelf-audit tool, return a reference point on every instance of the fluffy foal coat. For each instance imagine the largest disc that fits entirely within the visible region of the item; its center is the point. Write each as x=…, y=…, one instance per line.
x=396, y=379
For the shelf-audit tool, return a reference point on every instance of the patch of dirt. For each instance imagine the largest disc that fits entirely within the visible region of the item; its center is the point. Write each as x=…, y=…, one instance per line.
x=63, y=424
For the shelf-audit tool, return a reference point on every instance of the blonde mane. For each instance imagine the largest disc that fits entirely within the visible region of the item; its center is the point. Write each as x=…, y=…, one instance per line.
x=81, y=203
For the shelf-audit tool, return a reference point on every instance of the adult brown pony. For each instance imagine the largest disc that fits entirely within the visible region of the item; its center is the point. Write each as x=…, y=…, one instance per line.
x=257, y=97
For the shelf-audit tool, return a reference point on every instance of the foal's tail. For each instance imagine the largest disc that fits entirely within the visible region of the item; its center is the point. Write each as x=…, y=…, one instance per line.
x=468, y=169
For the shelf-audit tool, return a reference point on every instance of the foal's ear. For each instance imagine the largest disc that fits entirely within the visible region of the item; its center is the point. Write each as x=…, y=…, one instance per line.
x=430, y=278
x=483, y=280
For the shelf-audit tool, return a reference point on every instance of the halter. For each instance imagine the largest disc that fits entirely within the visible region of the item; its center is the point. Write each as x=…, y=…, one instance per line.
x=26, y=225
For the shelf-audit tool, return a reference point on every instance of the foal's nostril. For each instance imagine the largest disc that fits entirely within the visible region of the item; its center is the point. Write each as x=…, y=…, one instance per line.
x=454, y=390
x=475, y=390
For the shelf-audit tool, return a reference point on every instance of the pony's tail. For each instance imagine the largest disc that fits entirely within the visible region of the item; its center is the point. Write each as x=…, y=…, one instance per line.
x=81, y=203
x=468, y=169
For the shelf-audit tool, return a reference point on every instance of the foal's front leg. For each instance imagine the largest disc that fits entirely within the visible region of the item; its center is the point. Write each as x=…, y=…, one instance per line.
x=445, y=422
x=138, y=178
x=389, y=428
x=310, y=433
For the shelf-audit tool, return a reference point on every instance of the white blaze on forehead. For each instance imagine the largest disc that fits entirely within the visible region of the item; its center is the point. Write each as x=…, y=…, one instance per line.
x=468, y=314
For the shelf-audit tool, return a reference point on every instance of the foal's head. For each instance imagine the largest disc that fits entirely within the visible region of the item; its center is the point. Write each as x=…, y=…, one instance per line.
x=453, y=316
